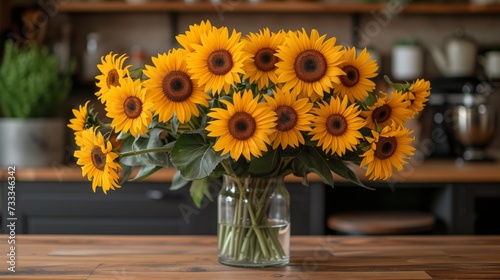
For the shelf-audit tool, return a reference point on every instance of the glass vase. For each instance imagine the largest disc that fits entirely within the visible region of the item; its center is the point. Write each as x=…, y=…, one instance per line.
x=253, y=222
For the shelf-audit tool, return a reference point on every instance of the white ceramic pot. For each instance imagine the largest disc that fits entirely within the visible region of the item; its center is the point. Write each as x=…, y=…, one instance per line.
x=407, y=62
x=458, y=57
x=491, y=64
x=31, y=142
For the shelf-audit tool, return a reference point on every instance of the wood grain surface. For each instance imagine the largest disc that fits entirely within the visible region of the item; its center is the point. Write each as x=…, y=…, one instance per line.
x=195, y=257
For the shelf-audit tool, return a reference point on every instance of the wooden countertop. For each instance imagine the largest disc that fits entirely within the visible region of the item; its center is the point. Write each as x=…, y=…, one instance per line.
x=195, y=257
x=428, y=171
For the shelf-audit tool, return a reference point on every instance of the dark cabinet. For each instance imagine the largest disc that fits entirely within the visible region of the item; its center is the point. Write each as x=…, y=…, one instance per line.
x=151, y=208
x=137, y=208
x=459, y=208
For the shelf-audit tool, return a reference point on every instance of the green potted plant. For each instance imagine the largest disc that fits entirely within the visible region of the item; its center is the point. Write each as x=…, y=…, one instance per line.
x=32, y=92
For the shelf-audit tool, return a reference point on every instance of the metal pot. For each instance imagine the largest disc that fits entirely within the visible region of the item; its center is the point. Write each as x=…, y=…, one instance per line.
x=474, y=128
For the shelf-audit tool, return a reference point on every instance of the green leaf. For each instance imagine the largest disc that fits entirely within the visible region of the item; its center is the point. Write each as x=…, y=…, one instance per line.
x=217, y=173
x=266, y=164
x=156, y=158
x=353, y=157
x=397, y=86
x=316, y=162
x=240, y=167
x=123, y=136
x=370, y=99
x=340, y=168
x=193, y=157
x=290, y=152
x=365, y=131
x=199, y=189
x=300, y=170
x=126, y=171
x=178, y=181
x=134, y=144
x=140, y=143
x=145, y=171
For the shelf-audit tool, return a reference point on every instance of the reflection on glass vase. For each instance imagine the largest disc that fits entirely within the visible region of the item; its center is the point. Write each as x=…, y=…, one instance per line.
x=253, y=222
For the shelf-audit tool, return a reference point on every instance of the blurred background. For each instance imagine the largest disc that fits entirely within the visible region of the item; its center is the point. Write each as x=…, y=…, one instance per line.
x=454, y=44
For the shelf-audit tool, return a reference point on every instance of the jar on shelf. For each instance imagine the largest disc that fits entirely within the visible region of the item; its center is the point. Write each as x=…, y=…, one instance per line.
x=407, y=59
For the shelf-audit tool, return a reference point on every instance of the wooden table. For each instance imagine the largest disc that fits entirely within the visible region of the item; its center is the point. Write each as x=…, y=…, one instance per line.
x=195, y=257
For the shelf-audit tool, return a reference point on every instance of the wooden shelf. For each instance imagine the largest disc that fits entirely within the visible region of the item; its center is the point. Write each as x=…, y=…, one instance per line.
x=294, y=6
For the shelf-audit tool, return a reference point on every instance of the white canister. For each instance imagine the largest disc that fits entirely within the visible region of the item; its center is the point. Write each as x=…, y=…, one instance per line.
x=491, y=63
x=407, y=61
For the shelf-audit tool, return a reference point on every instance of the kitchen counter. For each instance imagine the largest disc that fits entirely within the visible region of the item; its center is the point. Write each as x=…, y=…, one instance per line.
x=431, y=170
x=95, y=257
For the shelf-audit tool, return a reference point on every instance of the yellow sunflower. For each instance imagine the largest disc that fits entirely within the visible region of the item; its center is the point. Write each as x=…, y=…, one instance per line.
x=262, y=47
x=79, y=123
x=112, y=75
x=310, y=65
x=355, y=84
x=243, y=128
x=418, y=94
x=337, y=125
x=218, y=61
x=129, y=108
x=293, y=118
x=193, y=36
x=98, y=161
x=389, y=148
x=387, y=110
x=171, y=89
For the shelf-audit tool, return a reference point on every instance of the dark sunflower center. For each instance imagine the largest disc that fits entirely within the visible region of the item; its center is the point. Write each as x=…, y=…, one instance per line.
x=177, y=86
x=351, y=77
x=382, y=114
x=386, y=146
x=242, y=126
x=113, y=78
x=310, y=66
x=132, y=107
x=336, y=124
x=287, y=118
x=98, y=158
x=265, y=60
x=220, y=62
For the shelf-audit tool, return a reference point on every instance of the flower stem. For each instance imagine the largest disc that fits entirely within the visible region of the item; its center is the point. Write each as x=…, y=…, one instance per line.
x=249, y=237
x=145, y=151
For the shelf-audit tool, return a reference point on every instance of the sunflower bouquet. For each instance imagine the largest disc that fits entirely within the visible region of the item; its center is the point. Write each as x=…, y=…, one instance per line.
x=266, y=105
